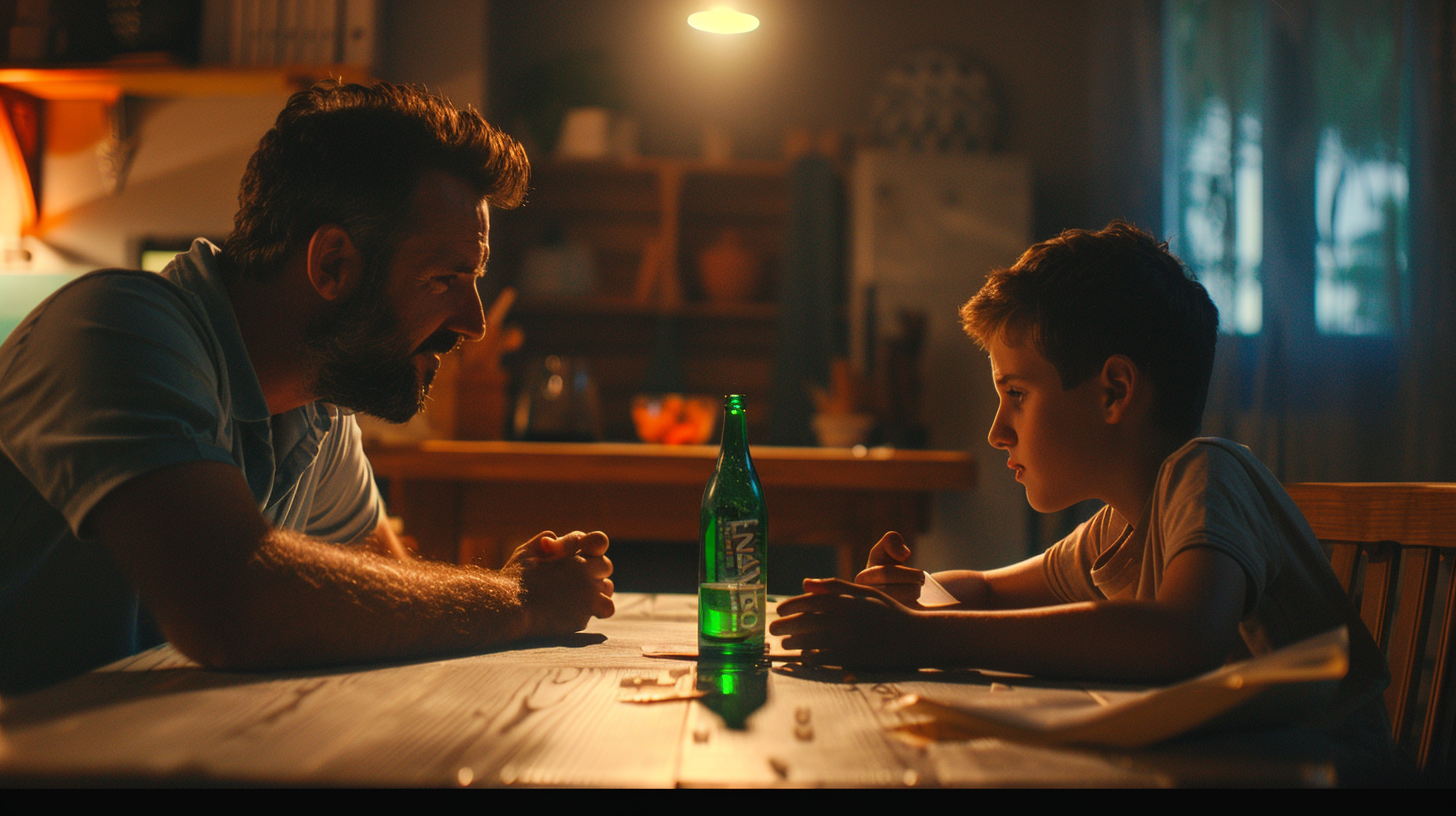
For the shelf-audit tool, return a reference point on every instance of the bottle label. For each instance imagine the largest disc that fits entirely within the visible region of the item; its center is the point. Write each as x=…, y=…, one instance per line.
x=740, y=554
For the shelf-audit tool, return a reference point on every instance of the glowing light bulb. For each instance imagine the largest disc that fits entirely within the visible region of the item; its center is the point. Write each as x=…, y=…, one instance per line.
x=723, y=20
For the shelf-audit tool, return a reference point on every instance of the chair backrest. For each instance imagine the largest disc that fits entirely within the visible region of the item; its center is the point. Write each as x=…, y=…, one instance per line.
x=1392, y=546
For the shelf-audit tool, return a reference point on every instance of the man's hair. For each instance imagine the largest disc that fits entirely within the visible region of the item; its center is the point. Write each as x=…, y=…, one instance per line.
x=352, y=155
x=1085, y=296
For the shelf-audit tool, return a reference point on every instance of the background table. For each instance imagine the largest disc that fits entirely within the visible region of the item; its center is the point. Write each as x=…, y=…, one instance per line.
x=551, y=715
x=474, y=501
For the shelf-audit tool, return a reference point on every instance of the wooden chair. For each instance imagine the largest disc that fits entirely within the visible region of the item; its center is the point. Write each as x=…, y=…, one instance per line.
x=1392, y=547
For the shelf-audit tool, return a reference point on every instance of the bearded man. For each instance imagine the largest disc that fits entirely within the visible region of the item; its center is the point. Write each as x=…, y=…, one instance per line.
x=178, y=452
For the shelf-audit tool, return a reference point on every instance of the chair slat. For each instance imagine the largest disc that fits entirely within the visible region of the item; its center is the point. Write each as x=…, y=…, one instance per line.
x=1343, y=557
x=1408, y=636
x=1343, y=561
x=1435, y=738
x=1382, y=562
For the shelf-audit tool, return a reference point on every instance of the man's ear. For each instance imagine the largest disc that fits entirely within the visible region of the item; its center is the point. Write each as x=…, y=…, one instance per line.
x=1120, y=381
x=334, y=264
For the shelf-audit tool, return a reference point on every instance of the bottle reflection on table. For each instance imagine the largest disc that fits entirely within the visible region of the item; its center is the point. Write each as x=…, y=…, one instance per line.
x=734, y=690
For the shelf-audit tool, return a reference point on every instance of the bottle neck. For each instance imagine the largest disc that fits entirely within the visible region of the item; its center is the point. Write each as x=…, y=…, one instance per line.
x=735, y=427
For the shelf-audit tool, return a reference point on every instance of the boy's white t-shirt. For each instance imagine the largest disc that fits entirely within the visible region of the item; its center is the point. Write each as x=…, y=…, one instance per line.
x=1214, y=493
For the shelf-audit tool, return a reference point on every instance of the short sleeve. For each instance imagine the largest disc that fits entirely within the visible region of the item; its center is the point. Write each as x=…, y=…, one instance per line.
x=1211, y=500
x=1068, y=563
x=346, y=503
x=114, y=376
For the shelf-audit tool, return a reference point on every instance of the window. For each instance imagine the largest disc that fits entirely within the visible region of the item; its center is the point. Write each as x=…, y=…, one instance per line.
x=1343, y=84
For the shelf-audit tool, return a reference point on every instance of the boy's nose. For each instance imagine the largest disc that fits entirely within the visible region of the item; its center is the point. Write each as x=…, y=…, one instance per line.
x=1001, y=435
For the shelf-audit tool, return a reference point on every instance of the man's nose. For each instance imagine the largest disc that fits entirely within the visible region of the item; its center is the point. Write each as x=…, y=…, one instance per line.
x=468, y=319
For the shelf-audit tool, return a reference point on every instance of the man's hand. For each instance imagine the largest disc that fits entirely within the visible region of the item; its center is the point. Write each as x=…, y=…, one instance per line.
x=842, y=624
x=886, y=573
x=564, y=581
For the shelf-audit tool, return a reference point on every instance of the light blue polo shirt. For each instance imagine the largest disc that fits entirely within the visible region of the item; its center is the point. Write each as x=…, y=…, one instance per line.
x=117, y=374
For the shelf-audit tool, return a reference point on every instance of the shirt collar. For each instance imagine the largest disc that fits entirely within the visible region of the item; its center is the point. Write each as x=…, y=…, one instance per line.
x=196, y=271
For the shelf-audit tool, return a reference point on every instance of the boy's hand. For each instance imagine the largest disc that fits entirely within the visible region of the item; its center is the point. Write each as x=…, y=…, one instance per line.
x=886, y=573
x=842, y=624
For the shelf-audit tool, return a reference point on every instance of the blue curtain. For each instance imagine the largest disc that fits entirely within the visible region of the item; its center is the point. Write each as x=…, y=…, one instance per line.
x=1369, y=394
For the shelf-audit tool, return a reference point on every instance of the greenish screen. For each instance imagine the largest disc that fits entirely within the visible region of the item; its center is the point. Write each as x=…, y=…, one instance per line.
x=21, y=293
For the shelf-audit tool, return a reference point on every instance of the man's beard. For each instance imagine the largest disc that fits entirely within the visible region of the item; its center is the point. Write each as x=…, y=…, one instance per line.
x=363, y=361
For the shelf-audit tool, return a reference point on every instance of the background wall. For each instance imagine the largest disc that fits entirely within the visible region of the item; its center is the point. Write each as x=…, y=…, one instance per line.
x=813, y=63
x=183, y=181
x=816, y=63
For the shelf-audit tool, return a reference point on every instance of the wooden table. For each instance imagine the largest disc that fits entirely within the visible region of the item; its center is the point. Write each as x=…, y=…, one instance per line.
x=474, y=501
x=551, y=715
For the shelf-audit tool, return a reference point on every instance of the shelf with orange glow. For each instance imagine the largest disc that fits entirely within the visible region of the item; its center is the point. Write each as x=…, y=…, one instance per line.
x=111, y=82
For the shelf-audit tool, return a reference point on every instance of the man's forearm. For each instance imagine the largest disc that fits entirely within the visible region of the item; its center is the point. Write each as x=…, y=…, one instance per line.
x=384, y=542
x=298, y=601
x=231, y=592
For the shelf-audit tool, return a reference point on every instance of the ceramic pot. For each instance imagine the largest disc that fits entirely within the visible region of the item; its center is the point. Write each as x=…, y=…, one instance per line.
x=730, y=271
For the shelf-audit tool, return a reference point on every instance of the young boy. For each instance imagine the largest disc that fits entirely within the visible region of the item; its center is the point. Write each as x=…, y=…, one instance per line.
x=1101, y=350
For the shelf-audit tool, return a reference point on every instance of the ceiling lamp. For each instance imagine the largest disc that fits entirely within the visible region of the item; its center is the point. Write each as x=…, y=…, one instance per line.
x=723, y=20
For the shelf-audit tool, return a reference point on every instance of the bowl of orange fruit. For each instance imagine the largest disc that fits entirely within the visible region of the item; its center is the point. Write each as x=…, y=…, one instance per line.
x=675, y=419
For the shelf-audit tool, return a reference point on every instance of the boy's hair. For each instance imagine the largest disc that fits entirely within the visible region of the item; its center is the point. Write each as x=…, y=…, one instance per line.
x=1085, y=296
x=352, y=155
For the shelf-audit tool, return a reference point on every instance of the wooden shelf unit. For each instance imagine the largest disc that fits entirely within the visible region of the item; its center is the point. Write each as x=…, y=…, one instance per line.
x=111, y=82
x=618, y=209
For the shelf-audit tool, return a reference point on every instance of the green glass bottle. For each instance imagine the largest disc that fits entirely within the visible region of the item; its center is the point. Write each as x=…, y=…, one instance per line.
x=733, y=562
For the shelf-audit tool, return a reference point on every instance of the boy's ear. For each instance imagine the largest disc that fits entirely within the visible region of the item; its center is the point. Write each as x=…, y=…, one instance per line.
x=1121, y=380
x=334, y=264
